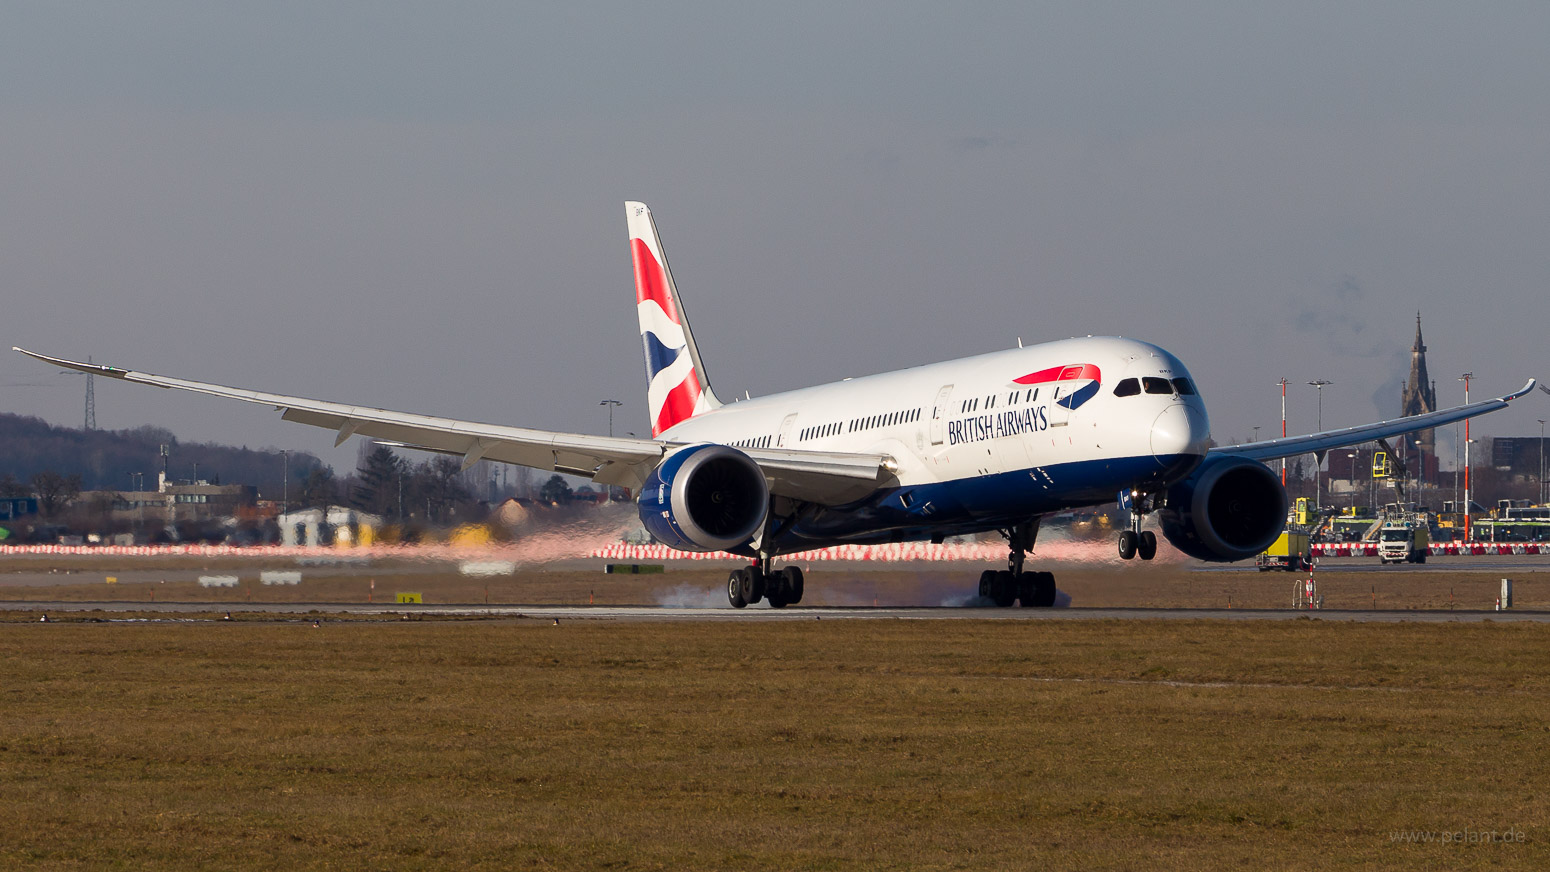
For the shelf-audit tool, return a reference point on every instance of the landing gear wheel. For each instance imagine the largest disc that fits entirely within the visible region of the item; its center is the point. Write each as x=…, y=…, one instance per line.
x=735, y=589
x=1128, y=542
x=752, y=585
x=988, y=584
x=791, y=584
x=1044, y=589
x=1146, y=546
x=777, y=589
x=1005, y=591
x=1027, y=585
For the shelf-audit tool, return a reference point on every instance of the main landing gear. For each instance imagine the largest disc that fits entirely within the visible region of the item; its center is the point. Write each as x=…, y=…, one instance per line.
x=746, y=587
x=1137, y=542
x=1012, y=585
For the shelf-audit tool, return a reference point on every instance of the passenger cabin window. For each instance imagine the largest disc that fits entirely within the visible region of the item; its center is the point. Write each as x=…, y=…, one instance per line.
x=1127, y=388
x=1156, y=385
x=1183, y=386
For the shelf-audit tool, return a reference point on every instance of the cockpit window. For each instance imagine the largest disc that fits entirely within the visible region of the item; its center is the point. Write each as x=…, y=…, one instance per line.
x=1156, y=385
x=1127, y=388
x=1183, y=386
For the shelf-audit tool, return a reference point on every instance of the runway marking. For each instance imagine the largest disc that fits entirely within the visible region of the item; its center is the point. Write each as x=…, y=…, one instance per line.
x=915, y=613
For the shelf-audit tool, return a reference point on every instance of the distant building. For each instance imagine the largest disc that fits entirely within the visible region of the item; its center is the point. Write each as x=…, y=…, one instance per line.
x=174, y=503
x=16, y=507
x=1419, y=395
x=336, y=525
x=1520, y=457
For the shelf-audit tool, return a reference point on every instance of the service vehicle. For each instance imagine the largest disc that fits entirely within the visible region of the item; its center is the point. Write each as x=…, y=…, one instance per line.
x=1404, y=542
x=1292, y=551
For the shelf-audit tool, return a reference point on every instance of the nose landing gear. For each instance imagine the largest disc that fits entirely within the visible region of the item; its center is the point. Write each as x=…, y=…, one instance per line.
x=1137, y=542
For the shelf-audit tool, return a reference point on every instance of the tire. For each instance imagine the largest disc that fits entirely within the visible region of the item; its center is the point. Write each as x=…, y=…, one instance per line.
x=1027, y=589
x=1146, y=546
x=1128, y=540
x=1044, y=590
x=777, y=590
x=735, y=589
x=988, y=584
x=793, y=584
x=750, y=586
x=1005, y=592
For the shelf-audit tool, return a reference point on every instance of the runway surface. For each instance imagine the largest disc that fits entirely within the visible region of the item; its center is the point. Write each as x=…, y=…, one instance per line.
x=209, y=611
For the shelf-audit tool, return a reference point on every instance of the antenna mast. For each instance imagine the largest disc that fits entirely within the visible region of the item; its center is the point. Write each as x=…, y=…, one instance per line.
x=91, y=401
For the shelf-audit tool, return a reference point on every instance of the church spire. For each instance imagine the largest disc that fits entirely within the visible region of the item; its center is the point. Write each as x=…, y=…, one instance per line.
x=1420, y=392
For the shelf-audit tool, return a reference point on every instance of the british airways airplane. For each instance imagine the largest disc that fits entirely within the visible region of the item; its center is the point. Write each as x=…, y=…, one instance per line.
x=992, y=442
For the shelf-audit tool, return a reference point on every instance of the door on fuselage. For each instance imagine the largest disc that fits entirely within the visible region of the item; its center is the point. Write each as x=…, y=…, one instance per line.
x=783, y=436
x=1059, y=414
x=939, y=415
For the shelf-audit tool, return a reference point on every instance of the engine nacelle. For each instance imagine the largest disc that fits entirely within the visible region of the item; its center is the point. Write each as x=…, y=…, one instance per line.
x=704, y=498
x=1231, y=508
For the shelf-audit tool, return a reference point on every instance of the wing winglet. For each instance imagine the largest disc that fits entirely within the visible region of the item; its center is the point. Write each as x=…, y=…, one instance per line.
x=1526, y=388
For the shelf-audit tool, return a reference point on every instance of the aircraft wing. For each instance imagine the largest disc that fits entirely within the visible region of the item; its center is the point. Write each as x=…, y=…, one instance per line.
x=823, y=477
x=1319, y=443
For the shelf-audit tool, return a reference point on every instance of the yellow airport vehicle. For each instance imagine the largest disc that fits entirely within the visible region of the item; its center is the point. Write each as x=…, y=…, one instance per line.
x=1306, y=512
x=1292, y=551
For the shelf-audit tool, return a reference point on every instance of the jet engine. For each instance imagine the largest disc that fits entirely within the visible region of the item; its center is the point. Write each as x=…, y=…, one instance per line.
x=1229, y=509
x=704, y=498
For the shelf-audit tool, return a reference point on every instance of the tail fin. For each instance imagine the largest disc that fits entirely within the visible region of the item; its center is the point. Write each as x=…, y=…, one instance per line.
x=677, y=389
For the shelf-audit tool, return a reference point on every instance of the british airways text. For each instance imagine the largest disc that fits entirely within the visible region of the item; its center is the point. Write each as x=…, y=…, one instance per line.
x=1010, y=423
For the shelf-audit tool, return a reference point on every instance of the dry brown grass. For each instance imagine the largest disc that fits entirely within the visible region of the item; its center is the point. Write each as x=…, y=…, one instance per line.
x=834, y=744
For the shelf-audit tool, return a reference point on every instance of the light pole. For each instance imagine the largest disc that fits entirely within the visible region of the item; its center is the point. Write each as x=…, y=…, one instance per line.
x=285, y=479
x=1318, y=461
x=611, y=404
x=1282, y=383
x=1468, y=520
x=1541, y=461
x=1352, y=455
x=1372, y=483
x=608, y=491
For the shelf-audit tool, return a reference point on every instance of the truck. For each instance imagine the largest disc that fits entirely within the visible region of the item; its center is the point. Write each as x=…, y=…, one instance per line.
x=1403, y=542
x=1291, y=552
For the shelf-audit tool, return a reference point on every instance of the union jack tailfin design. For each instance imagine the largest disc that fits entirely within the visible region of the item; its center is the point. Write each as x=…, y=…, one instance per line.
x=676, y=387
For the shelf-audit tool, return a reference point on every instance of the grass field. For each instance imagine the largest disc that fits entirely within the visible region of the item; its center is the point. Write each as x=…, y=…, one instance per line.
x=825, y=745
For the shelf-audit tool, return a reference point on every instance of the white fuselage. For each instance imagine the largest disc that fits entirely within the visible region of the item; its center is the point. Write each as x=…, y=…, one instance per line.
x=991, y=415
x=985, y=442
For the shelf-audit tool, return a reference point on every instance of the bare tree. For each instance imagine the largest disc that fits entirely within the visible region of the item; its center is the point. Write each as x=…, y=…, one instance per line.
x=54, y=491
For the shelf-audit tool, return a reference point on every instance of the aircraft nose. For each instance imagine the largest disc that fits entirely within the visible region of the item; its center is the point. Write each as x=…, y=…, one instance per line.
x=1180, y=429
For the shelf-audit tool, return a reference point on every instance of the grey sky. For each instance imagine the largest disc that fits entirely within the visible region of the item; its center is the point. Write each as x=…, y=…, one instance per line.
x=420, y=206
